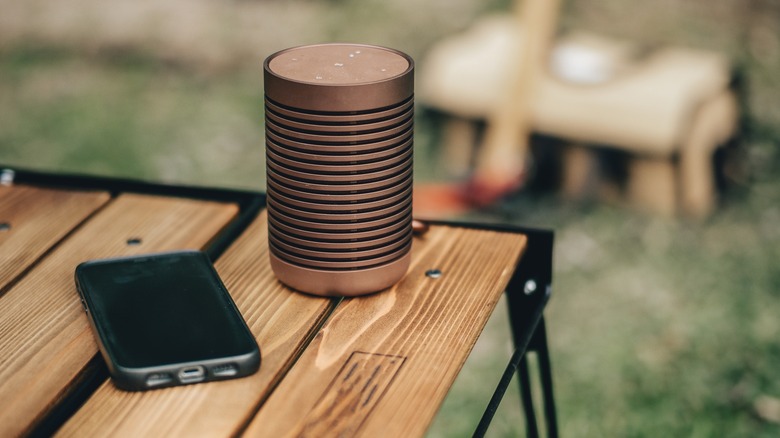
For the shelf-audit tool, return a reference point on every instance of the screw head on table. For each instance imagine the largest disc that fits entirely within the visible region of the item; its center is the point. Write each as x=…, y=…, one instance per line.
x=433, y=273
x=419, y=227
x=529, y=287
x=7, y=177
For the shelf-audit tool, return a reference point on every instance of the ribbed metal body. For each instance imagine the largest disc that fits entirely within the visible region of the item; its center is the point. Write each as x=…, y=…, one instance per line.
x=339, y=149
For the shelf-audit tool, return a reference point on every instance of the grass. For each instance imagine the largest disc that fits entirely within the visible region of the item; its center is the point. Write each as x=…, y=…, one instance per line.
x=129, y=116
x=675, y=325
x=657, y=327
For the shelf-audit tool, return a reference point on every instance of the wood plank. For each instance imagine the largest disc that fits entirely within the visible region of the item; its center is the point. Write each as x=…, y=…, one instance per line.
x=282, y=322
x=45, y=339
x=34, y=219
x=353, y=393
x=417, y=336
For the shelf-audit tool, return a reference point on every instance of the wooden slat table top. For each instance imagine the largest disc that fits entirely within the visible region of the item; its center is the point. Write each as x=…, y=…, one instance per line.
x=375, y=365
x=34, y=219
x=45, y=339
x=280, y=320
x=381, y=365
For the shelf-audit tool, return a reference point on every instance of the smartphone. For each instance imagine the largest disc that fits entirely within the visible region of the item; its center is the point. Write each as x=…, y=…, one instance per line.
x=164, y=320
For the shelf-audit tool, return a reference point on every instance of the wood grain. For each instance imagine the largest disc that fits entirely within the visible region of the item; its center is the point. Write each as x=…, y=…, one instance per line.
x=281, y=320
x=431, y=323
x=353, y=393
x=45, y=339
x=35, y=219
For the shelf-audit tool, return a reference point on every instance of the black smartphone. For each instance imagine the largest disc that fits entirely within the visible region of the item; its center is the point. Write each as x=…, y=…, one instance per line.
x=165, y=319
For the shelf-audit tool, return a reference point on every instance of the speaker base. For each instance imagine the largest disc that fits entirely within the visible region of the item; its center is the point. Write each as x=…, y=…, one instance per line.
x=340, y=283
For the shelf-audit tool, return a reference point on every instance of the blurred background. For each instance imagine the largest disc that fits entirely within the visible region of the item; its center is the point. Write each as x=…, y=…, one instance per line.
x=659, y=324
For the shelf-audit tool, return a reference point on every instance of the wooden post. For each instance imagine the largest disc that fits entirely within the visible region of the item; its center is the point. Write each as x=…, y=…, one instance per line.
x=502, y=159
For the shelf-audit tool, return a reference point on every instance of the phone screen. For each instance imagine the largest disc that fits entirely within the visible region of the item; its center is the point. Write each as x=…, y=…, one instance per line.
x=162, y=309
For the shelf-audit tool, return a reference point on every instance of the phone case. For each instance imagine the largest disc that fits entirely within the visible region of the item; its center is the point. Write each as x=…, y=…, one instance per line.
x=118, y=342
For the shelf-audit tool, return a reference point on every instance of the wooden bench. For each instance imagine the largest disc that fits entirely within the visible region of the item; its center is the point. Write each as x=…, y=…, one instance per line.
x=379, y=365
x=667, y=109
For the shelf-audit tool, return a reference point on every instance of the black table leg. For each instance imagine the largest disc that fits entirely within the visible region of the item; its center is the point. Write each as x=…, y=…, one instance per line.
x=528, y=292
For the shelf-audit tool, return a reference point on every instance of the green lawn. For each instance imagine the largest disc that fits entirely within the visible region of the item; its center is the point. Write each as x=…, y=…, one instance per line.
x=129, y=116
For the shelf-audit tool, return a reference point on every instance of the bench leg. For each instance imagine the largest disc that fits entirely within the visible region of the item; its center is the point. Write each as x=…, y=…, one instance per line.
x=665, y=185
x=652, y=185
x=458, y=142
x=580, y=172
x=713, y=125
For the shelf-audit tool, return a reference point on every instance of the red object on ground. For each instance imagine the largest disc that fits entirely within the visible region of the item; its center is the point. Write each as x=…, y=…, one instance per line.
x=442, y=200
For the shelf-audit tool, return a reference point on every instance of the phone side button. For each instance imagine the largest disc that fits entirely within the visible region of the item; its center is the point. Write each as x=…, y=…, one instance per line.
x=84, y=305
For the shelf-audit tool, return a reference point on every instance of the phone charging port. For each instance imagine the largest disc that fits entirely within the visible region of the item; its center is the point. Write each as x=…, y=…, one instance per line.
x=192, y=374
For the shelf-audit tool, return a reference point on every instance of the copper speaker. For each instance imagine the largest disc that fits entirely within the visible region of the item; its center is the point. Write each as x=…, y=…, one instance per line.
x=339, y=144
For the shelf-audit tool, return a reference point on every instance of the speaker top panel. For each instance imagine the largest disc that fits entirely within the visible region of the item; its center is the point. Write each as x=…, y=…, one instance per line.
x=339, y=64
x=339, y=78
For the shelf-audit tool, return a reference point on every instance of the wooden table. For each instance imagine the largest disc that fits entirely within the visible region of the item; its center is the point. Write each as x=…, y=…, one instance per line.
x=373, y=366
